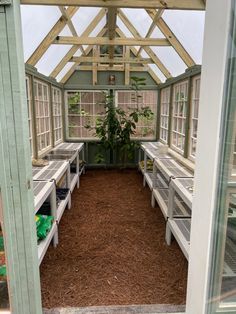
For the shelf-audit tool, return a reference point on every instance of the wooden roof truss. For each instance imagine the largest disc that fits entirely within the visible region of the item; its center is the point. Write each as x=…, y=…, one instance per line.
x=111, y=36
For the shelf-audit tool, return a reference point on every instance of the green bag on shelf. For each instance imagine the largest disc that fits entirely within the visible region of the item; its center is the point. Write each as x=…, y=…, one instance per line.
x=3, y=271
x=44, y=225
x=1, y=244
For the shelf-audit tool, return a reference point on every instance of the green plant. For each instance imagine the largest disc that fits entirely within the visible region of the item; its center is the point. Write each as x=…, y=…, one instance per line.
x=116, y=127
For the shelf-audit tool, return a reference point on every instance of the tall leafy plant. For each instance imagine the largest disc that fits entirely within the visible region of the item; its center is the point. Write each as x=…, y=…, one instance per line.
x=116, y=127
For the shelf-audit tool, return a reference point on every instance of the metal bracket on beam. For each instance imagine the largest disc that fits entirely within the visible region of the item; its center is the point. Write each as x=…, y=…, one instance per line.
x=5, y=2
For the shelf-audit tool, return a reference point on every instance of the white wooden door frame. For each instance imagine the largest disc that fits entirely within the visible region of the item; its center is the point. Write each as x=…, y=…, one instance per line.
x=213, y=81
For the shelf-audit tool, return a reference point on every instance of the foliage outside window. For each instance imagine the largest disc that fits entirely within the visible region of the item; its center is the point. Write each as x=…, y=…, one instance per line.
x=29, y=104
x=57, y=114
x=180, y=99
x=194, y=115
x=164, y=117
x=42, y=110
x=83, y=108
x=146, y=126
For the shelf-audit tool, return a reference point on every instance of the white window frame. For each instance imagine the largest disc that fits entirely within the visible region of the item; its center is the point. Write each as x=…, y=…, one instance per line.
x=153, y=137
x=181, y=120
x=57, y=115
x=45, y=100
x=165, y=113
x=29, y=106
x=195, y=96
x=67, y=113
x=214, y=68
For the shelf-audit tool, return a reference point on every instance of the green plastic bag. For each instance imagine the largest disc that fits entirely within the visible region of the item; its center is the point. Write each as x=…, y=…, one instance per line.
x=1, y=244
x=44, y=225
x=3, y=271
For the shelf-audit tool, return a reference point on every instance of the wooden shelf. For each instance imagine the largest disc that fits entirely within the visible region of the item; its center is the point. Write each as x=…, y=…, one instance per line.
x=44, y=244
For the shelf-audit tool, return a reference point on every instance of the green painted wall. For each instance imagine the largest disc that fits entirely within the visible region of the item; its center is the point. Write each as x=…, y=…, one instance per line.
x=83, y=79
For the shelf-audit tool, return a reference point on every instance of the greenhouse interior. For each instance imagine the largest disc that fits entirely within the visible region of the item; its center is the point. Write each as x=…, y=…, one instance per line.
x=118, y=156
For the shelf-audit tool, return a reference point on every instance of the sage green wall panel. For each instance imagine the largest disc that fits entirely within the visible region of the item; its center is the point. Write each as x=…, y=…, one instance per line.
x=82, y=79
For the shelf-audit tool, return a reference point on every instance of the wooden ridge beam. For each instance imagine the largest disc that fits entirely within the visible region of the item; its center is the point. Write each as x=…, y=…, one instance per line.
x=148, y=50
x=154, y=4
x=75, y=48
x=108, y=60
x=50, y=37
x=69, y=40
x=179, y=48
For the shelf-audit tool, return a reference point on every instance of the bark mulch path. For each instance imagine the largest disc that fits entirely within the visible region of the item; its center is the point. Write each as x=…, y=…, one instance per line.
x=112, y=248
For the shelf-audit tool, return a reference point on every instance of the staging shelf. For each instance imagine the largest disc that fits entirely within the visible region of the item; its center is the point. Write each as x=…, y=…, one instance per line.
x=70, y=146
x=180, y=228
x=41, y=190
x=44, y=244
x=73, y=180
x=62, y=206
x=172, y=169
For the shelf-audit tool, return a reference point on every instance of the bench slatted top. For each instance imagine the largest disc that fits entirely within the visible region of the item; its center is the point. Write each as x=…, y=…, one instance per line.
x=70, y=146
x=181, y=209
x=164, y=195
x=159, y=182
x=41, y=190
x=184, y=187
x=152, y=150
x=172, y=169
x=62, y=154
x=53, y=171
x=184, y=226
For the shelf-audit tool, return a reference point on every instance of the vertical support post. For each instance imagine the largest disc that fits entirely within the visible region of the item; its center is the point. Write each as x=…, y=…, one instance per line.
x=187, y=123
x=53, y=205
x=34, y=122
x=68, y=181
x=127, y=65
x=15, y=171
x=51, y=114
x=64, y=124
x=158, y=124
x=145, y=168
x=78, y=169
x=95, y=66
x=170, y=114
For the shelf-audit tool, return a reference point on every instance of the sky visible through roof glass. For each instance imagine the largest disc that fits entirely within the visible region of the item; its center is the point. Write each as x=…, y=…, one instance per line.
x=188, y=26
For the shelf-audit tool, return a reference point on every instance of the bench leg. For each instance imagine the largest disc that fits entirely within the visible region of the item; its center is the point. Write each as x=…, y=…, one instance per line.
x=55, y=239
x=69, y=202
x=153, y=201
x=168, y=234
x=144, y=182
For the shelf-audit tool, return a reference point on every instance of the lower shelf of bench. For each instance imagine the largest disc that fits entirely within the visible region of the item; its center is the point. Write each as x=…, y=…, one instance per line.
x=180, y=228
x=161, y=196
x=44, y=244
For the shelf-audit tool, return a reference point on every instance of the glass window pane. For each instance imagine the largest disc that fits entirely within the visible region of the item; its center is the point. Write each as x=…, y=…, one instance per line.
x=223, y=277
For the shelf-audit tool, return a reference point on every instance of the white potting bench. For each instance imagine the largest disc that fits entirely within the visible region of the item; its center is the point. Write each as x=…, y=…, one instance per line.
x=79, y=148
x=151, y=150
x=54, y=172
x=45, y=190
x=165, y=170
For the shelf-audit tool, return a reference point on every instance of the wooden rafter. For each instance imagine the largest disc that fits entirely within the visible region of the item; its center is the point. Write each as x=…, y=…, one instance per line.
x=148, y=50
x=50, y=37
x=74, y=66
x=152, y=27
x=75, y=48
x=70, y=24
x=111, y=24
x=69, y=40
x=134, y=51
x=164, y=28
x=108, y=60
x=156, y=4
